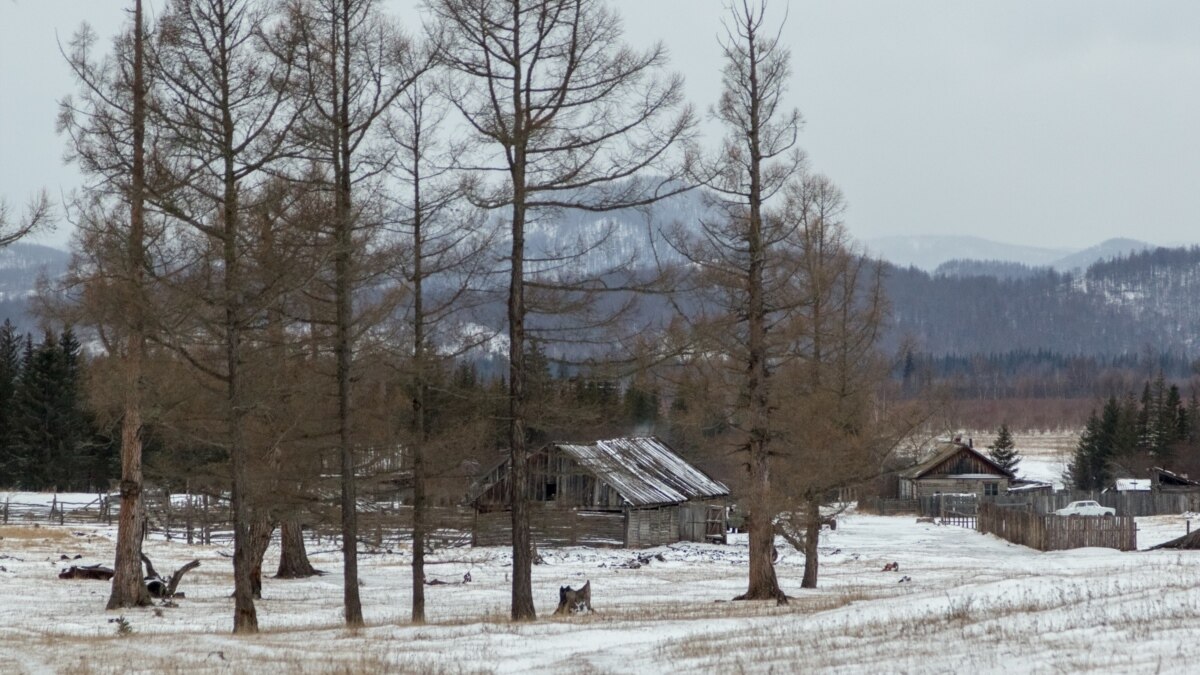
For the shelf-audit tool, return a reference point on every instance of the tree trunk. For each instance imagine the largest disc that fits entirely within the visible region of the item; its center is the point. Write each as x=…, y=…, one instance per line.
x=763, y=584
x=812, y=536
x=293, y=558
x=245, y=618
x=418, y=401
x=260, y=540
x=344, y=310
x=128, y=589
x=522, y=583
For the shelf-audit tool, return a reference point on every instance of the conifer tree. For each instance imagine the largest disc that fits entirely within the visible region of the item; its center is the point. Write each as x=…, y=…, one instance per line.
x=1083, y=467
x=1003, y=452
x=10, y=370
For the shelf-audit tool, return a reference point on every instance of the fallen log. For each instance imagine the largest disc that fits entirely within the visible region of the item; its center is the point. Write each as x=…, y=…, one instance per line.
x=93, y=572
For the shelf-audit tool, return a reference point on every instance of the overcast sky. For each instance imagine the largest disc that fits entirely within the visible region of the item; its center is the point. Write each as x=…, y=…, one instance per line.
x=1046, y=123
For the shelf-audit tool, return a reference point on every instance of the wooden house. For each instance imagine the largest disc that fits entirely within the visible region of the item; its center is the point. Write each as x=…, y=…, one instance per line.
x=630, y=492
x=955, y=468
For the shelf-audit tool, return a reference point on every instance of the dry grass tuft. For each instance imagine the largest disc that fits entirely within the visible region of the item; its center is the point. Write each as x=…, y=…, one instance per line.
x=28, y=532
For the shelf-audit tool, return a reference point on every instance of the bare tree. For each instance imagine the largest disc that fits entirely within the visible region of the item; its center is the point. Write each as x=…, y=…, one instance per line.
x=841, y=427
x=226, y=118
x=443, y=252
x=566, y=117
x=38, y=215
x=107, y=130
x=744, y=260
x=353, y=64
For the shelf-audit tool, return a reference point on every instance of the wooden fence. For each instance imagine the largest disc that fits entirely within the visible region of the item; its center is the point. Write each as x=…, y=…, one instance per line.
x=1126, y=503
x=207, y=519
x=58, y=512
x=1057, y=533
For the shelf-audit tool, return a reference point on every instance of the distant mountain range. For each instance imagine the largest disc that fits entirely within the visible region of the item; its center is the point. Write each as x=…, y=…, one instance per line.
x=930, y=252
x=949, y=295
x=21, y=266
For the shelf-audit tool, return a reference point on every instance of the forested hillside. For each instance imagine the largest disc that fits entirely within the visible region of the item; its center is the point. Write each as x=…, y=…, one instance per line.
x=1142, y=302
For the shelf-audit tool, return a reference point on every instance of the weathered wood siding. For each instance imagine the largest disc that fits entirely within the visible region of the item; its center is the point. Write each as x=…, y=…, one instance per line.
x=652, y=526
x=915, y=488
x=963, y=461
x=1057, y=533
x=553, y=477
x=693, y=520
x=553, y=527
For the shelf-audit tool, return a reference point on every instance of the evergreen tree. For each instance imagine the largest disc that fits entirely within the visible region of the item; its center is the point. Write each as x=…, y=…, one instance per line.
x=1160, y=429
x=641, y=408
x=36, y=437
x=1192, y=415
x=1003, y=452
x=1175, y=420
x=50, y=430
x=1087, y=470
x=1123, y=442
x=10, y=371
x=1144, y=433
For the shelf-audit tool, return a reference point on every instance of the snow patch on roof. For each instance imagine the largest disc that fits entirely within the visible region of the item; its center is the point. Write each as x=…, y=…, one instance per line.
x=645, y=471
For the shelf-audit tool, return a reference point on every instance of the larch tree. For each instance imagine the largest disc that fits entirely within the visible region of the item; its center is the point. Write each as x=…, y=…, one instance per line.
x=353, y=64
x=443, y=251
x=842, y=428
x=742, y=257
x=106, y=126
x=565, y=117
x=226, y=118
x=38, y=214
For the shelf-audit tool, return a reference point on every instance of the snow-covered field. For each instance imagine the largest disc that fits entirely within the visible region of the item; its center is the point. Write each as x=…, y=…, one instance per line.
x=961, y=601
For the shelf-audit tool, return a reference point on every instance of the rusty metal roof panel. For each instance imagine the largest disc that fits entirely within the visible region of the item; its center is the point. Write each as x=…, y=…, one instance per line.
x=645, y=471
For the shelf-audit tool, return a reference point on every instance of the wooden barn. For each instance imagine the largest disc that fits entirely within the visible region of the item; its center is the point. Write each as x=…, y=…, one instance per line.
x=1162, y=480
x=956, y=468
x=630, y=492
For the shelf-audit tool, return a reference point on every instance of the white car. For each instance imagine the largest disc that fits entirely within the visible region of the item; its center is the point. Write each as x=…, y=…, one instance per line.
x=1086, y=507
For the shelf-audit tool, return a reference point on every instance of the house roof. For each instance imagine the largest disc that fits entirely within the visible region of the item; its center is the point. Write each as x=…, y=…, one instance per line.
x=644, y=471
x=947, y=451
x=1133, y=485
x=1172, y=478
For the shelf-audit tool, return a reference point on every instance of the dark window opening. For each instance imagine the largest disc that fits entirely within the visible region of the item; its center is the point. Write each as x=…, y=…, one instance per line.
x=991, y=489
x=551, y=491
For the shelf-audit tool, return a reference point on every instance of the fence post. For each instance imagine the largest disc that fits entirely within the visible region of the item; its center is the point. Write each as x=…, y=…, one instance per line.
x=6, y=500
x=188, y=516
x=205, y=527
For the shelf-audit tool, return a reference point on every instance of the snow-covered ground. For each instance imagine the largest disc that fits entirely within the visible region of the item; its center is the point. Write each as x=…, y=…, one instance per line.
x=960, y=601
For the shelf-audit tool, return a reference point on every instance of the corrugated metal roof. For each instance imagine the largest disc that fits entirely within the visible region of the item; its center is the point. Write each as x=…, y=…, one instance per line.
x=644, y=471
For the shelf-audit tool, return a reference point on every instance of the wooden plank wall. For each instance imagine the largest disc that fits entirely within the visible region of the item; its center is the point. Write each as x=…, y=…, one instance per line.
x=555, y=478
x=553, y=527
x=1057, y=533
x=652, y=526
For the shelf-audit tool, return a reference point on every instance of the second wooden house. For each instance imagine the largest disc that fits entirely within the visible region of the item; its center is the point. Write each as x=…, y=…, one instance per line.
x=955, y=468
